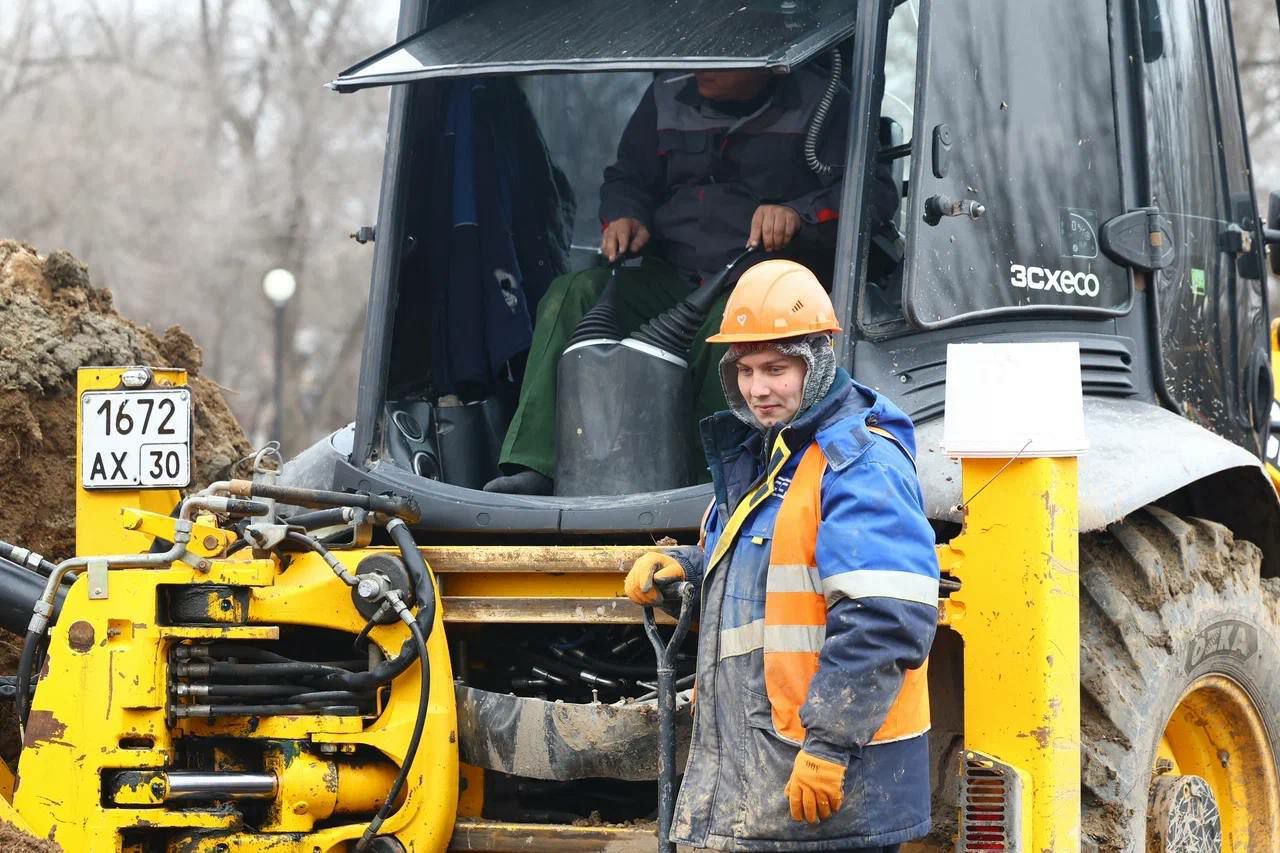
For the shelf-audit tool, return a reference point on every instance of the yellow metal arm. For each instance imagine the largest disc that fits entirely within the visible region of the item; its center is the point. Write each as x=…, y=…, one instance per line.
x=1018, y=612
x=207, y=540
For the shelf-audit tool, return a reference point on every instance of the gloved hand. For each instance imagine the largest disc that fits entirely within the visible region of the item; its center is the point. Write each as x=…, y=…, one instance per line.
x=639, y=585
x=815, y=789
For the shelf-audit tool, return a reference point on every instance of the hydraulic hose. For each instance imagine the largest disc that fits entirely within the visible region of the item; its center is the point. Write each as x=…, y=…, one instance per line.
x=26, y=665
x=294, y=669
x=338, y=569
x=424, y=592
x=27, y=558
x=811, y=136
x=423, y=586
x=244, y=652
x=257, y=690
x=568, y=668
x=321, y=676
x=208, y=711
x=411, y=752
x=426, y=595
x=331, y=697
x=396, y=506
x=320, y=518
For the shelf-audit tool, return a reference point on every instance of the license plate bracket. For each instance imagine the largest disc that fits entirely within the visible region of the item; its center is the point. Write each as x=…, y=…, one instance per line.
x=135, y=439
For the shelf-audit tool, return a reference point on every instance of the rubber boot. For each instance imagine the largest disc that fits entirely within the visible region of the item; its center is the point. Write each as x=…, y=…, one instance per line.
x=526, y=482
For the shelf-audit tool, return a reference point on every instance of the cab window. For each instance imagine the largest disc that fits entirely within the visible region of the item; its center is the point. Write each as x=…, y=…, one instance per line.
x=1015, y=165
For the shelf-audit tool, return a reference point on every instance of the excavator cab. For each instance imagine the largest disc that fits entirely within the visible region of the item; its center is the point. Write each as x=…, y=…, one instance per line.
x=443, y=362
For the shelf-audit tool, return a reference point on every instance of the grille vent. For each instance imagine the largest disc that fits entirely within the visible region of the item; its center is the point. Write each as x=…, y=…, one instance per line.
x=991, y=813
x=1106, y=370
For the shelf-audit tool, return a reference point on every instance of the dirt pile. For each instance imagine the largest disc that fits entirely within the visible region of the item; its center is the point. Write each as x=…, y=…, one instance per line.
x=14, y=840
x=52, y=322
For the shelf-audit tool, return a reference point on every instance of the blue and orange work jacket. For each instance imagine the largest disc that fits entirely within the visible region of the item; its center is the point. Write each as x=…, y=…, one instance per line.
x=819, y=583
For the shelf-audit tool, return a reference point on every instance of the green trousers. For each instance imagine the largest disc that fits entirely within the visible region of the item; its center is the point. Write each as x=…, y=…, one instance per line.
x=643, y=293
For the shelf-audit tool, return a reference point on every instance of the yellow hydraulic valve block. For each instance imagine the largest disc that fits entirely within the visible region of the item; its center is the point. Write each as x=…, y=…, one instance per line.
x=108, y=757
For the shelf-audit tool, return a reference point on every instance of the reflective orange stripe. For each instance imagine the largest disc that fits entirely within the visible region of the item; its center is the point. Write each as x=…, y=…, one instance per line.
x=795, y=620
x=794, y=608
x=801, y=509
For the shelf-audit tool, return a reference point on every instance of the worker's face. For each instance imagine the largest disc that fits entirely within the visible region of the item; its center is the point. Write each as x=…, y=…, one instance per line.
x=772, y=384
x=739, y=85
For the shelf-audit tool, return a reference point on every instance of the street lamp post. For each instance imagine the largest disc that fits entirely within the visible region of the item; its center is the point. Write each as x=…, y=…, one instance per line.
x=278, y=285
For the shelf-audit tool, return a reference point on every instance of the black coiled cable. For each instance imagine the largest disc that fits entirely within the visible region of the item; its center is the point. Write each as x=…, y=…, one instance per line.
x=823, y=170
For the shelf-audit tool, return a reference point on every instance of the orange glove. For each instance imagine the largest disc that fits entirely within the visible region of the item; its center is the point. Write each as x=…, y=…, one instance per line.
x=816, y=788
x=639, y=585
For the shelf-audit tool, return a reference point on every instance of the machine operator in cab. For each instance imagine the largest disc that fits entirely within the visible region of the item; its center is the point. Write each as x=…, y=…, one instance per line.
x=708, y=164
x=818, y=583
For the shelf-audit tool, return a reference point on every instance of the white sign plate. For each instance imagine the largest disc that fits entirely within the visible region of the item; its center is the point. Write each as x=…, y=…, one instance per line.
x=1014, y=399
x=135, y=439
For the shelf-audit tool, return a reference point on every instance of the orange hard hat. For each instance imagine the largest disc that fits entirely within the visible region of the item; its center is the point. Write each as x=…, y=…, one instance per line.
x=776, y=299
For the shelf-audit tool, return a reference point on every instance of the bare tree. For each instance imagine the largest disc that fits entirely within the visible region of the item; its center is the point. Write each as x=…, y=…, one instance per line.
x=184, y=149
x=1257, y=37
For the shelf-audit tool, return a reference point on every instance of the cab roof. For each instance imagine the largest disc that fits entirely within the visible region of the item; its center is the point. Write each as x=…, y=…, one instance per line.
x=493, y=37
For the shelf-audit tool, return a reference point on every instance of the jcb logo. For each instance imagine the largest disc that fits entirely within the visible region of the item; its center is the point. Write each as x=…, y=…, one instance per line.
x=1229, y=637
x=1062, y=281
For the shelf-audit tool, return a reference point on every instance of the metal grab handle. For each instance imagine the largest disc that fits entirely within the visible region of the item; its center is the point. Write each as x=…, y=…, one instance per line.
x=938, y=206
x=666, y=654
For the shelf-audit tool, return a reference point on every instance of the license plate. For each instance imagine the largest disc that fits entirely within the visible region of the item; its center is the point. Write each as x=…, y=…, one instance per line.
x=135, y=439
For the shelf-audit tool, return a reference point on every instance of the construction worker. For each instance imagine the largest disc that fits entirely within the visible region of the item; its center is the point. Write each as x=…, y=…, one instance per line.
x=709, y=164
x=819, y=586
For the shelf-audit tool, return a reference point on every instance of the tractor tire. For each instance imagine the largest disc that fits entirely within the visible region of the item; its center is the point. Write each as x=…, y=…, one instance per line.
x=1171, y=607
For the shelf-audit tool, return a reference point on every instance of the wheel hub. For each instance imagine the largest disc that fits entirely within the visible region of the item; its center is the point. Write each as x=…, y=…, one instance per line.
x=1183, y=817
x=1215, y=785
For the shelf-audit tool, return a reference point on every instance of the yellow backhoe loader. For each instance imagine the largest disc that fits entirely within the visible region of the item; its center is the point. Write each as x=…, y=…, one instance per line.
x=360, y=649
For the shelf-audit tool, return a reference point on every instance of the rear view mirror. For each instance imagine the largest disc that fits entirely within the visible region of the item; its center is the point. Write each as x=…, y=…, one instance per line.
x=1271, y=233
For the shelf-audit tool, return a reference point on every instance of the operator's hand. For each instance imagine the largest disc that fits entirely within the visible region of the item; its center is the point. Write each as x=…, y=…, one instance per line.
x=622, y=236
x=639, y=585
x=816, y=788
x=774, y=225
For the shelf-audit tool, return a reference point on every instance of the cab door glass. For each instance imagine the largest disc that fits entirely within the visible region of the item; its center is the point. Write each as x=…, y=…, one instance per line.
x=880, y=297
x=1016, y=164
x=1190, y=187
x=1249, y=313
x=581, y=117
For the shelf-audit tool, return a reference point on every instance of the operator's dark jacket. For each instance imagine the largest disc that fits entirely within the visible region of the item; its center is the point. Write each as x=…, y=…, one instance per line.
x=694, y=172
